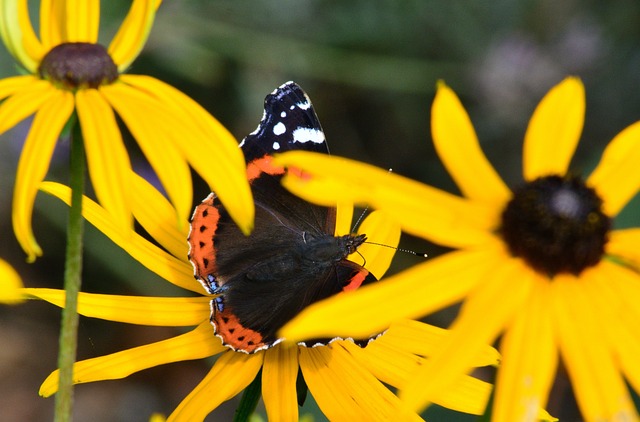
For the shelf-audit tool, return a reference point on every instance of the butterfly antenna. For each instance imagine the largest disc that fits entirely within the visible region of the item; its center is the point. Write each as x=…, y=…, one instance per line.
x=359, y=220
x=409, y=251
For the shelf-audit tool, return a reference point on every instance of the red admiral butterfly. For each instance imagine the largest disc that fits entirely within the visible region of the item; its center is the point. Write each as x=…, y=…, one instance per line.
x=292, y=259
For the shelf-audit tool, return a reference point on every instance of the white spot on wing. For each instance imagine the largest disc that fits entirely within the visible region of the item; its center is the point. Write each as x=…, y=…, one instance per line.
x=283, y=114
x=304, y=105
x=303, y=135
x=279, y=129
x=276, y=145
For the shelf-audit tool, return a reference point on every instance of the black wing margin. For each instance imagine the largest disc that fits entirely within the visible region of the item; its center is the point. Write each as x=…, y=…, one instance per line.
x=289, y=123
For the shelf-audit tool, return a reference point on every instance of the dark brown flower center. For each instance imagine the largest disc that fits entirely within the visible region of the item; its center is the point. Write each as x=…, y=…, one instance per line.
x=78, y=65
x=556, y=225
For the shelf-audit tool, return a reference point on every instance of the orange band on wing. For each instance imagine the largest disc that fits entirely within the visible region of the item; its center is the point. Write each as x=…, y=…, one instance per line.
x=262, y=165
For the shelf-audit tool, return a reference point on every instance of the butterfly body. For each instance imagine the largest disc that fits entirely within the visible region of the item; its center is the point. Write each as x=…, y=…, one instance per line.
x=292, y=258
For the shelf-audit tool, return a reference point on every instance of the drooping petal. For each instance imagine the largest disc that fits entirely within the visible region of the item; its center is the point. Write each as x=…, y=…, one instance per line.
x=155, y=311
x=616, y=179
x=83, y=20
x=26, y=100
x=530, y=359
x=107, y=158
x=231, y=373
x=413, y=293
x=383, y=235
x=53, y=30
x=623, y=245
x=554, y=130
x=13, y=84
x=18, y=35
x=199, y=343
x=158, y=217
x=153, y=129
x=10, y=284
x=207, y=142
x=457, y=145
x=622, y=331
x=33, y=166
x=344, y=390
x=423, y=339
x=395, y=367
x=133, y=33
x=279, y=374
x=598, y=385
x=626, y=284
x=482, y=317
x=170, y=268
x=420, y=209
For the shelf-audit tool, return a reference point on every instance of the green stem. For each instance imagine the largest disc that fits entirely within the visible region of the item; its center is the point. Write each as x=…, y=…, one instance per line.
x=72, y=281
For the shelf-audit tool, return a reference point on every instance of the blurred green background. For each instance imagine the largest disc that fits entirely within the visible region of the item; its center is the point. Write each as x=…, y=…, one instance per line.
x=370, y=68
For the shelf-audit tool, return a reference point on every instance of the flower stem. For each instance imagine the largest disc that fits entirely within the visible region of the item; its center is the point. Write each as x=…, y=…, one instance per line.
x=72, y=280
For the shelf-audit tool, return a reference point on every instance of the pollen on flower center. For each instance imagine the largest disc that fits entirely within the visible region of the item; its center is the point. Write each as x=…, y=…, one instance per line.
x=78, y=65
x=556, y=224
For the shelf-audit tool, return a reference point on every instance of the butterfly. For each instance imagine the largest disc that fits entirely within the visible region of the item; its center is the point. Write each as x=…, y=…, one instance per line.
x=292, y=258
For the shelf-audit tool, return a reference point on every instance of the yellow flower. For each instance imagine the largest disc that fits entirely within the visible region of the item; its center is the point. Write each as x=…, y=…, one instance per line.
x=69, y=71
x=539, y=264
x=345, y=380
x=10, y=284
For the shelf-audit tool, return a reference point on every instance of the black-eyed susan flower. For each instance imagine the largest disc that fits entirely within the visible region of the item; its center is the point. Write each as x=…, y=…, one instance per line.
x=69, y=71
x=10, y=284
x=539, y=264
x=345, y=379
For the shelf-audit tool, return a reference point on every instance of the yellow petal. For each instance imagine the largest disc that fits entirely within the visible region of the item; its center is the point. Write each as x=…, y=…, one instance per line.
x=199, y=343
x=279, y=374
x=458, y=148
x=153, y=129
x=623, y=245
x=622, y=331
x=410, y=294
x=530, y=358
x=172, y=269
x=207, y=142
x=107, y=158
x=616, y=179
x=344, y=390
x=33, y=166
x=344, y=218
x=83, y=20
x=53, y=30
x=626, y=285
x=10, y=285
x=420, y=209
x=133, y=33
x=482, y=317
x=26, y=101
x=231, y=373
x=10, y=86
x=158, y=217
x=554, y=130
x=157, y=311
x=383, y=235
x=424, y=340
x=598, y=385
x=395, y=367
x=17, y=34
